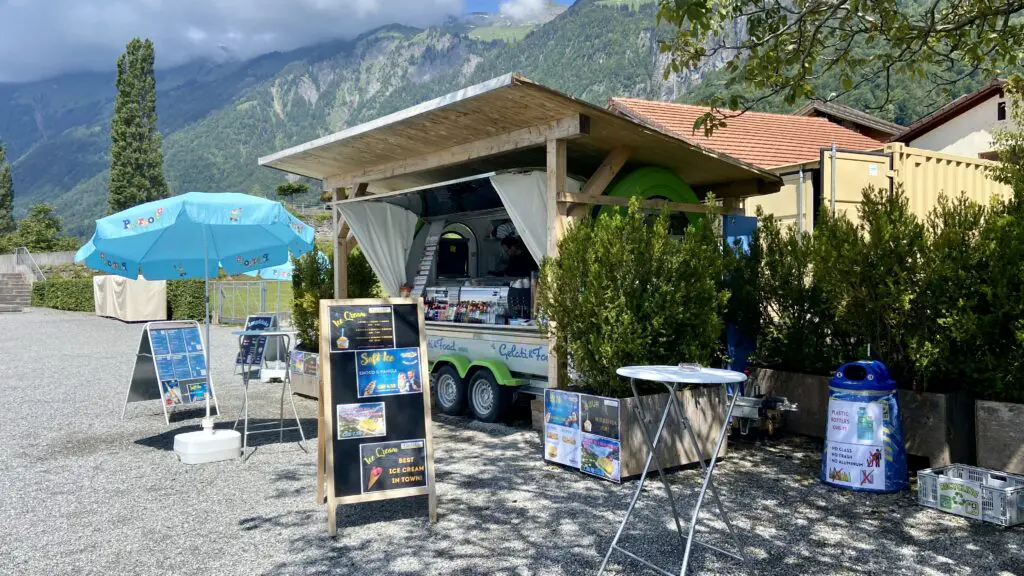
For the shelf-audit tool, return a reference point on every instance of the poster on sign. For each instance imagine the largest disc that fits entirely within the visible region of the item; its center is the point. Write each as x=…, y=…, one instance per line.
x=376, y=441
x=170, y=366
x=599, y=441
x=251, y=348
x=562, y=427
x=855, y=450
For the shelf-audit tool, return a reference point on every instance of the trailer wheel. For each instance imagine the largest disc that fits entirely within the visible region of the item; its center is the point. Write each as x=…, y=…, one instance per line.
x=488, y=399
x=451, y=391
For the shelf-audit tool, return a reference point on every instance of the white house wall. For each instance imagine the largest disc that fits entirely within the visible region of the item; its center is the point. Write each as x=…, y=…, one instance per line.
x=968, y=134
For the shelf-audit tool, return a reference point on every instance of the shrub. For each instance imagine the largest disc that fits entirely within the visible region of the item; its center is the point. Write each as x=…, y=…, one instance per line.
x=186, y=299
x=312, y=280
x=60, y=294
x=624, y=291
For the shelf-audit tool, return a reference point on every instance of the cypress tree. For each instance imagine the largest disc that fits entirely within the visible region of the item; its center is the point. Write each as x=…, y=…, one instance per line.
x=136, y=163
x=6, y=194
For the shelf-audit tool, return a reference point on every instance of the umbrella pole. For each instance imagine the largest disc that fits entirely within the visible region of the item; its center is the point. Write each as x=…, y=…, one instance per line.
x=207, y=422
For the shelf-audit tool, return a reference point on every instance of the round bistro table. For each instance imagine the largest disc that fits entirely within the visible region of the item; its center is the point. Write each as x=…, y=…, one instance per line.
x=674, y=379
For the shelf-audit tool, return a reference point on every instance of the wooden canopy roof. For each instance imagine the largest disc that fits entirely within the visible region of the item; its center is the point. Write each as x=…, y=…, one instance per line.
x=501, y=124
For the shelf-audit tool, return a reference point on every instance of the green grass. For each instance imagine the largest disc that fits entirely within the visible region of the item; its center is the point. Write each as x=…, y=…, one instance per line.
x=238, y=302
x=503, y=33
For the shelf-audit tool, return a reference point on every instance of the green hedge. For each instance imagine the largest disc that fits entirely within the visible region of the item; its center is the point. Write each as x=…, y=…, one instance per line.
x=186, y=300
x=939, y=300
x=73, y=294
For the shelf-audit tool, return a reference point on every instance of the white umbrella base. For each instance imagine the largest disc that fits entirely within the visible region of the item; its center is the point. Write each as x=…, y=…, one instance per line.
x=204, y=446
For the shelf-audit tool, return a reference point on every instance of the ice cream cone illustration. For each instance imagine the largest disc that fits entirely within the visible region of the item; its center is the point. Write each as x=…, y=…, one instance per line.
x=374, y=475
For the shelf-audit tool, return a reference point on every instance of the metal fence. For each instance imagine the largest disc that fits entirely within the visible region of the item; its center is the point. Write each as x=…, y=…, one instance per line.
x=233, y=301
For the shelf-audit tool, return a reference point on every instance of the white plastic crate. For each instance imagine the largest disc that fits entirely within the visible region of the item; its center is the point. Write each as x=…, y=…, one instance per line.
x=973, y=492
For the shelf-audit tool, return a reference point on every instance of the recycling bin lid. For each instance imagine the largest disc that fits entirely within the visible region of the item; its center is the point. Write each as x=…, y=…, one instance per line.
x=863, y=375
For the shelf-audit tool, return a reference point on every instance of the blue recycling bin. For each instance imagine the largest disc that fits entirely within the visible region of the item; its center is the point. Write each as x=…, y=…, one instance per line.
x=863, y=436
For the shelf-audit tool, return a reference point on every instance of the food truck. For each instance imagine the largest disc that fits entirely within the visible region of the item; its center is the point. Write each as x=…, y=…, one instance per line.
x=457, y=200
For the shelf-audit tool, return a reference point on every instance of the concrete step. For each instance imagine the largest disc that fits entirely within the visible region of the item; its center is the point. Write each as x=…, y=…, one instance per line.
x=10, y=308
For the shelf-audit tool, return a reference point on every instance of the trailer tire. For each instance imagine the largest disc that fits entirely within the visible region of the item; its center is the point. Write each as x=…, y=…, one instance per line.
x=451, y=390
x=488, y=400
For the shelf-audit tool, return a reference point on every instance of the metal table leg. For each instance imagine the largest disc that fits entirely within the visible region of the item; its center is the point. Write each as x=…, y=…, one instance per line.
x=704, y=488
x=707, y=470
x=652, y=445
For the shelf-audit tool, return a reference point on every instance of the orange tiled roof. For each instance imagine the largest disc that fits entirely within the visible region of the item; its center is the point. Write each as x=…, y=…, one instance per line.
x=758, y=138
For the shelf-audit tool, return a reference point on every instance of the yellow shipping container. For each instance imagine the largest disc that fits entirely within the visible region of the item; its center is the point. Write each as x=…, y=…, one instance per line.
x=925, y=175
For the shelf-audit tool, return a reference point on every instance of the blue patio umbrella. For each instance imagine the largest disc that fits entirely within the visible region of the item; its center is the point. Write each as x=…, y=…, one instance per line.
x=283, y=271
x=192, y=236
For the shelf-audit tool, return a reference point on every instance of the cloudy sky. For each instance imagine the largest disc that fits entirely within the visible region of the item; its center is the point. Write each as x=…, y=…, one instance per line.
x=42, y=38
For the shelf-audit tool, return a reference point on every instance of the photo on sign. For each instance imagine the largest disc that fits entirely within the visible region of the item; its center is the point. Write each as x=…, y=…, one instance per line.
x=562, y=445
x=600, y=457
x=388, y=372
x=562, y=408
x=172, y=392
x=600, y=416
x=361, y=420
x=393, y=465
x=195, y=392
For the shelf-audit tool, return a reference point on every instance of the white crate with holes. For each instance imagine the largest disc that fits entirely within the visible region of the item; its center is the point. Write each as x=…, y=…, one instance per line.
x=973, y=492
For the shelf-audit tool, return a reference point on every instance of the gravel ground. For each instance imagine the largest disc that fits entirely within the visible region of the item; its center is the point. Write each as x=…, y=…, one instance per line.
x=83, y=492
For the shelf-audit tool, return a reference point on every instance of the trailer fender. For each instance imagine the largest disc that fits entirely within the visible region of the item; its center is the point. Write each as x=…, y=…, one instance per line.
x=498, y=369
x=458, y=361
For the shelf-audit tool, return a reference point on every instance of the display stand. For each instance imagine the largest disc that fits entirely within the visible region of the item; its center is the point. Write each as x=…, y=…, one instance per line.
x=374, y=404
x=246, y=340
x=170, y=366
x=674, y=378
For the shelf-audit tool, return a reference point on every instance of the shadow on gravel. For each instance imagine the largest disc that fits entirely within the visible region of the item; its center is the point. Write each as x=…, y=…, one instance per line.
x=165, y=440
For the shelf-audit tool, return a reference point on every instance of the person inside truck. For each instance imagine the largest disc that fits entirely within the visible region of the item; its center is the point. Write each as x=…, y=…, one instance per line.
x=517, y=262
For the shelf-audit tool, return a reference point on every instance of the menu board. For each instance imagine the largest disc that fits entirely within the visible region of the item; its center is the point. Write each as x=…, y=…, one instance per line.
x=582, y=431
x=180, y=364
x=170, y=366
x=250, y=351
x=377, y=441
x=361, y=328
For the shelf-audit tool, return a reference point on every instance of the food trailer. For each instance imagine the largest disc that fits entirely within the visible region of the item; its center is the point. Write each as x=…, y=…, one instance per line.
x=458, y=199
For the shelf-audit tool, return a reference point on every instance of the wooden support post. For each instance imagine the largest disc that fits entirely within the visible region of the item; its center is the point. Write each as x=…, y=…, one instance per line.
x=732, y=205
x=341, y=245
x=557, y=216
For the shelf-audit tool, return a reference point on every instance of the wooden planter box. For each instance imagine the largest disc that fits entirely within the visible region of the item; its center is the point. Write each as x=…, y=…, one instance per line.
x=705, y=407
x=939, y=427
x=1000, y=437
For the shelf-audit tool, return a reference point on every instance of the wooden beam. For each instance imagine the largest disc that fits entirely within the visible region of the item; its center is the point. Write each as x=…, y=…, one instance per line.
x=557, y=217
x=607, y=171
x=569, y=198
x=532, y=137
x=741, y=189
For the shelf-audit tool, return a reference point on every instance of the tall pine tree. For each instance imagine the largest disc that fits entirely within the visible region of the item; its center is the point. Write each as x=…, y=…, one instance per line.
x=136, y=163
x=6, y=194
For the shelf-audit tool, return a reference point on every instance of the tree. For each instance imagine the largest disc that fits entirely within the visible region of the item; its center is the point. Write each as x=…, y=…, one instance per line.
x=781, y=47
x=1009, y=142
x=6, y=194
x=136, y=163
x=292, y=188
x=40, y=231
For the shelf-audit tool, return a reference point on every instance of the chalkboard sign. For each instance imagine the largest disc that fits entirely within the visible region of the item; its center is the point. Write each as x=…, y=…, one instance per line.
x=375, y=403
x=250, y=351
x=170, y=366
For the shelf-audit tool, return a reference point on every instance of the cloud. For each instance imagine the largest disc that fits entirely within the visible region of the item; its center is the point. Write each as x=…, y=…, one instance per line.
x=522, y=10
x=41, y=38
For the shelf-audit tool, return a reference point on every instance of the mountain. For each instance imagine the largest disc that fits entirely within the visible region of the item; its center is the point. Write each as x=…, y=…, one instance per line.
x=217, y=118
